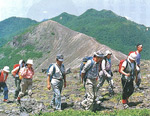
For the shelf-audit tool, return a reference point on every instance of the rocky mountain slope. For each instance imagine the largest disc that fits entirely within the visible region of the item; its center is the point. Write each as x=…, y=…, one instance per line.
x=73, y=94
x=51, y=38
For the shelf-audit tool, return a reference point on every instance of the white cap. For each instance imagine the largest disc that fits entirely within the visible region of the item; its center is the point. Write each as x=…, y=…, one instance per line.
x=108, y=53
x=20, y=62
x=99, y=54
x=6, y=69
x=132, y=56
x=60, y=57
x=29, y=61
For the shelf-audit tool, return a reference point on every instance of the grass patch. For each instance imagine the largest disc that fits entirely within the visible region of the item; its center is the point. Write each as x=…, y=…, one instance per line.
x=128, y=112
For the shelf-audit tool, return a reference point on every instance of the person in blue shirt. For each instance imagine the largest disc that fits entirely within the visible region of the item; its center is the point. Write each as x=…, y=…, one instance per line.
x=138, y=58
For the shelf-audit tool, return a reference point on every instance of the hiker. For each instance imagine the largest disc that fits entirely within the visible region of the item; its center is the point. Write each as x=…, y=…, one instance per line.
x=56, y=79
x=128, y=72
x=26, y=84
x=3, y=78
x=138, y=81
x=90, y=72
x=106, y=73
x=15, y=73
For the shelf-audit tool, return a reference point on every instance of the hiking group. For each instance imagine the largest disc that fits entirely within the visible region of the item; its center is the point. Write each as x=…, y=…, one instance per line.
x=93, y=70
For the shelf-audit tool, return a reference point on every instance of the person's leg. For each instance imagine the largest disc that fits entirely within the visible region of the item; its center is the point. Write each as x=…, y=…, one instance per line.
x=110, y=82
x=52, y=104
x=138, y=79
x=29, y=87
x=24, y=87
x=18, y=89
x=101, y=81
x=131, y=89
x=5, y=91
x=124, y=91
x=57, y=91
x=90, y=94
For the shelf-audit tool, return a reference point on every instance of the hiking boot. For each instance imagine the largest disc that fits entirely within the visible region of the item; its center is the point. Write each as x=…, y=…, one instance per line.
x=18, y=101
x=81, y=106
x=125, y=106
x=5, y=100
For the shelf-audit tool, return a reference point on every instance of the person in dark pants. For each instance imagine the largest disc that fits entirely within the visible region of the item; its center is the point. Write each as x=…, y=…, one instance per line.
x=128, y=71
x=3, y=78
x=15, y=73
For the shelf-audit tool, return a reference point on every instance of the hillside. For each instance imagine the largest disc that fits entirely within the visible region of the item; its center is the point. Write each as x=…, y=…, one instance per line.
x=45, y=40
x=13, y=26
x=110, y=29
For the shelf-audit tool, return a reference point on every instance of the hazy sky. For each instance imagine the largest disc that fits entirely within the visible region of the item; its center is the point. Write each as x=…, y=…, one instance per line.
x=136, y=10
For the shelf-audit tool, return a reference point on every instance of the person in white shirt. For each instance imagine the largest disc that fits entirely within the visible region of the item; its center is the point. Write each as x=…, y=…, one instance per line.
x=57, y=71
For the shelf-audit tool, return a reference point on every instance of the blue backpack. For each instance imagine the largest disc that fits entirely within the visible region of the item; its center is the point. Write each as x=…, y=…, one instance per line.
x=54, y=70
x=84, y=61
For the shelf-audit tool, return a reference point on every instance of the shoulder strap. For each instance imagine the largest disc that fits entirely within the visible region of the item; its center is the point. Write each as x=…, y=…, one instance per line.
x=54, y=69
x=127, y=64
x=18, y=70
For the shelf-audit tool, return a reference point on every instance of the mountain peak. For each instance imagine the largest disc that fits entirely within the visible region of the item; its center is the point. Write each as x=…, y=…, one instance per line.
x=101, y=14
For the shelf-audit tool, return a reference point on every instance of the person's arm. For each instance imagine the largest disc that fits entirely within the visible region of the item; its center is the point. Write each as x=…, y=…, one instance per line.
x=85, y=69
x=48, y=83
x=104, y=68
x=14, y=71
x=24, y=72
x=65, y=83
x=136, y=73
x=124, y=73
x=50, y=72
x=5, y=78
x=82, y=76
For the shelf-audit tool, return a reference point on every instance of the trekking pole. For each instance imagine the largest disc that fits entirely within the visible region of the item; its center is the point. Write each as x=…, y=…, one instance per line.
x=122, y=92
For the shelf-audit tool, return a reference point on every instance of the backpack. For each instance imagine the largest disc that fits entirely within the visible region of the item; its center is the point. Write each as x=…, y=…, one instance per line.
x=132, y=52
x=84, y=61
x=54, y=70
x=121, y=61
x=16, y=65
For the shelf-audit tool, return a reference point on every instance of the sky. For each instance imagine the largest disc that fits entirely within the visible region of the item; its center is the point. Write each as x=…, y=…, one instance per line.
x=135, y=10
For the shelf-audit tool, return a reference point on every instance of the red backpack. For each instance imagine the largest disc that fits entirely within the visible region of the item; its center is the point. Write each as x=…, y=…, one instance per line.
x=121, y=61
x=16, y=65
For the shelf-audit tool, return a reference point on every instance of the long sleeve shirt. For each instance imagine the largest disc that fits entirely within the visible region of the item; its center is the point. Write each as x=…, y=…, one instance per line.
x=27, y=73
x=91, y=71
x=106, y=66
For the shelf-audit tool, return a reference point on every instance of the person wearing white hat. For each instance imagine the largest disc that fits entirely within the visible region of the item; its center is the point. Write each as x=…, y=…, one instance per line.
x=106, y=73
x=128, y=72
x=3, y=78
x=26, y=84
x=15, y=73
x=57, y=71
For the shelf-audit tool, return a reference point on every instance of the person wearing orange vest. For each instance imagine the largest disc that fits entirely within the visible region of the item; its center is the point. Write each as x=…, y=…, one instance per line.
x=3, y=78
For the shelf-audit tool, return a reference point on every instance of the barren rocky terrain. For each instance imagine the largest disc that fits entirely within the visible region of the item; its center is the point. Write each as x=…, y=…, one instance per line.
x=73, y=95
